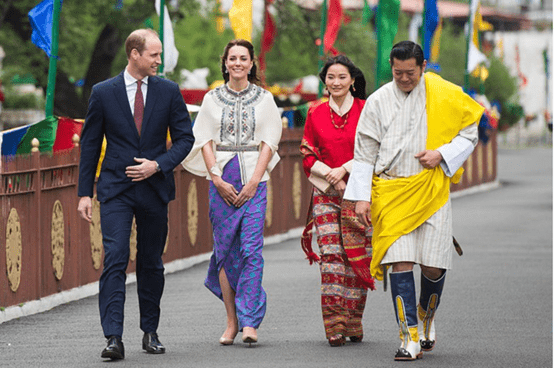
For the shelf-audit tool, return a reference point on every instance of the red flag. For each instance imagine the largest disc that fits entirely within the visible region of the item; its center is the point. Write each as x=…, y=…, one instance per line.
x=334, y=19
x=522, y=77
x=298, y=87
x=268, y=38
x=64, y=134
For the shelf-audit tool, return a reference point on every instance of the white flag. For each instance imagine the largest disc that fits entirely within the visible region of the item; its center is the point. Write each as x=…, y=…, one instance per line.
x=415, y=25
x=474, y=56
x=171, y=55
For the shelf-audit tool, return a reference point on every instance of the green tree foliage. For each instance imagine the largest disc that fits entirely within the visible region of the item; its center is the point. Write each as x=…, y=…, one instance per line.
x=501, y=86
x=452, y=56
x=297, y=32
x=294, y=53
x=197, y=49
x=92, y=33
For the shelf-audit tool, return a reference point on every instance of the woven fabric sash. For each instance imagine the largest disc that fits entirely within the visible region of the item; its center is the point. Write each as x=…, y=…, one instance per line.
x=399, y=206
x=222, y=148
x=356, y=241
x=449, y=110
x=355, y=238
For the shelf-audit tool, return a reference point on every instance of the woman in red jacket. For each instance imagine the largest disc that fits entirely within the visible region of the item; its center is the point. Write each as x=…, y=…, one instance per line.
x=344, y=243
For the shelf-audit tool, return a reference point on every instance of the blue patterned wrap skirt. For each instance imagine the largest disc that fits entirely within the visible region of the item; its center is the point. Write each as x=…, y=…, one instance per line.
x=238, y=244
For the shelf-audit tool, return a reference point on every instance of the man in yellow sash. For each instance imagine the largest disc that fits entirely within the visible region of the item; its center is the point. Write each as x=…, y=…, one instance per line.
x=413, y=136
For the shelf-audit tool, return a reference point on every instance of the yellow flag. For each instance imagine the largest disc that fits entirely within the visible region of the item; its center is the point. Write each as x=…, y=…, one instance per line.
x=481, y=72
x=240, y=17
x=219, y=20
x=500, y=47
x=435, y=44
x=480, y=23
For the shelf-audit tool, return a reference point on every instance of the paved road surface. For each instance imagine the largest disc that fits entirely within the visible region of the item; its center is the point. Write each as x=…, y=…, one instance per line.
x=496, y=309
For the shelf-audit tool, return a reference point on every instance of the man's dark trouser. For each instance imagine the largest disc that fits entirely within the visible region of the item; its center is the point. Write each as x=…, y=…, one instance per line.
x=116, y=217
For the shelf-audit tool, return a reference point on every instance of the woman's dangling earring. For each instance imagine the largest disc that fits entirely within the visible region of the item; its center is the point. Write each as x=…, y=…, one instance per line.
x=226, y=71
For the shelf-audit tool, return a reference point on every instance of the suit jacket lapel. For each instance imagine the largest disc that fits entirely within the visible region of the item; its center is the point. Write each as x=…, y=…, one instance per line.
x=151, y=96
x=120, y=92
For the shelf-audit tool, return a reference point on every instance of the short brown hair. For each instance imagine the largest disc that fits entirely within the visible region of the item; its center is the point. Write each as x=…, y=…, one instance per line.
x=137, y=40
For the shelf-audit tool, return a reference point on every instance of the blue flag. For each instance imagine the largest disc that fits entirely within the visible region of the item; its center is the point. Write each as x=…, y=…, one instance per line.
x=431, y=18
x=41, y=17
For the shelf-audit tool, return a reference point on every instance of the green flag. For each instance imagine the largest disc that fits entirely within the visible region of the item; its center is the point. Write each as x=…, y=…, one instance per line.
x=44, y=131
x=367, y=13
x=387, y=26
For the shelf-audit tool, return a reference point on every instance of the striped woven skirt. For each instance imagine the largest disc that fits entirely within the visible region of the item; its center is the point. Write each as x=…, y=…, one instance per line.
x=343, y=293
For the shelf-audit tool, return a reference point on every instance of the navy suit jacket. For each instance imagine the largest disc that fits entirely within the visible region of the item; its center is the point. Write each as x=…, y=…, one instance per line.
x=109, y=114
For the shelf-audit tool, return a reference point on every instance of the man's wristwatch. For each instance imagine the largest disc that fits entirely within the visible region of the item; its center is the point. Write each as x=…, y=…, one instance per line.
x=157, y=166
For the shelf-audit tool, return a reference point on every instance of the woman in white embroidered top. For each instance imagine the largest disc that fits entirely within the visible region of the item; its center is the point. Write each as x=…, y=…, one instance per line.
x=237, y=132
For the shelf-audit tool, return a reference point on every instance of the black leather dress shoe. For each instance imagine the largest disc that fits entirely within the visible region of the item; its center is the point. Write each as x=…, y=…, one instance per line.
x=115, y=349
x=152, y=344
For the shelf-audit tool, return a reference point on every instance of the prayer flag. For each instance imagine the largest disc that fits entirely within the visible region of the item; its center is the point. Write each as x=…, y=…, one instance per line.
x=367, y=13
x=171, y=55
x=387, y=26
x=334, y=19
x=268, y=37
x=219, y=20
x=432, y=63
x=415, y=27
x=240, y=16
x=521, y=76
x=474, y=56
x=44, y=131
x=481, y=24
x=435, y=44
x=67, y=128
x=431, y=16
x=11, y=139
x=546, y=60
x=41, y=17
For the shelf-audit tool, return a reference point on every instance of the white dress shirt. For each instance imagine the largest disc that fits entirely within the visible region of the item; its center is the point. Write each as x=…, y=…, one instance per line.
x=131, y=87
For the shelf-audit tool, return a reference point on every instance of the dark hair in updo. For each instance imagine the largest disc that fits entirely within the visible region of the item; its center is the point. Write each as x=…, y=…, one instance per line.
x=253, y=76
x=358, y=88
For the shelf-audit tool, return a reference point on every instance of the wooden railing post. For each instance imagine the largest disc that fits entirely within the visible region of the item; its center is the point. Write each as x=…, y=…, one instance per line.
x=36, y=236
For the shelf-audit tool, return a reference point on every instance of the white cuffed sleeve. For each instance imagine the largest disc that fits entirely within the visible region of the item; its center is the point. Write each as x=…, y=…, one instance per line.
x=455, y=153
x=359, y=183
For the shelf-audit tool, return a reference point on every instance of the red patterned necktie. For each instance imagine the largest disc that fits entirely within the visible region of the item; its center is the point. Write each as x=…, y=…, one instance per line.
x=139, y=107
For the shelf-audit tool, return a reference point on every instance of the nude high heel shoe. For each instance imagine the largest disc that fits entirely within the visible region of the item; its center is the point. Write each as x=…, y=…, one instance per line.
x=226, y=341
x=250, y=337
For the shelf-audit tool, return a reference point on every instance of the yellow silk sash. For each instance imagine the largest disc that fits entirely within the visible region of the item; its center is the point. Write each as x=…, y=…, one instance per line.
x=401, y=205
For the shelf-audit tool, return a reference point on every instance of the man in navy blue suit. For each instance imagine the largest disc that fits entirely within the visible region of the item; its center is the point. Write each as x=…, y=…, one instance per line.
x=134, y=111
